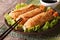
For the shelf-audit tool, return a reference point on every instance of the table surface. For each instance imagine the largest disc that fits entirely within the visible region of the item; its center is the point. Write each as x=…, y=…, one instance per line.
x=5, y=6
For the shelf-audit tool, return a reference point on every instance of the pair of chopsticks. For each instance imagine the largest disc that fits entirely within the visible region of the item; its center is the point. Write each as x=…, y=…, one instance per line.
x=10, y=29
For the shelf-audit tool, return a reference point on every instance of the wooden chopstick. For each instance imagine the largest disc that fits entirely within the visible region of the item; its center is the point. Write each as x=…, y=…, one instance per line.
x=10, y=29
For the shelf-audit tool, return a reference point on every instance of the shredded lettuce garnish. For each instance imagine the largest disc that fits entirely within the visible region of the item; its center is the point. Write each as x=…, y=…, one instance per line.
x=9, y=19
x=33, y=29
x=53, y=22
x=50, y=24
x=48, y=8
x=18, y=6
x=18, y=27
x=46, y=26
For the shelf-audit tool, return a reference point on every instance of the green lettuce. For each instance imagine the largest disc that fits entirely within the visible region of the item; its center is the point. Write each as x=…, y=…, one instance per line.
x=46, y=26
x=53, y=22
x=18, y=6
x=18, y=27
x=48, y=8
x=9, y=19
x=33, y=29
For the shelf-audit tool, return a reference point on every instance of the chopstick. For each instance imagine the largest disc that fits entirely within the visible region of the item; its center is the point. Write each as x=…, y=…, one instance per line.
x=10, y=29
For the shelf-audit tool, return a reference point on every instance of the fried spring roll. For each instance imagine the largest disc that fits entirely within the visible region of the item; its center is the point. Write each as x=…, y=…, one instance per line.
x=16, y=13
x=38, y=19
x=29, y=14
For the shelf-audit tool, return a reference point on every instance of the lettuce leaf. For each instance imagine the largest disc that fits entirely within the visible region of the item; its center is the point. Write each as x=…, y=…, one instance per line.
x=9, y=19
x=18, y=27
x=18, y=6
x=33, y=29
x=53, y=22
x=48, y=8
x=46, y=26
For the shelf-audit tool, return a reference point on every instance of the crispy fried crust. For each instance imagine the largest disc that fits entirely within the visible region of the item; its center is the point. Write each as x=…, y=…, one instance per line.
x=29, y=14
x=38, y=19
x=16, y=13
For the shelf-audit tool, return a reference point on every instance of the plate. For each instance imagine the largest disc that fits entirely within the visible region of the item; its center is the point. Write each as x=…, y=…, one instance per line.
x=53, y=30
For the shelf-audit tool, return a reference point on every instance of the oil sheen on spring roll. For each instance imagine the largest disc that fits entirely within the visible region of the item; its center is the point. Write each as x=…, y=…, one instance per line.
x=38, y=19
x=30, y=14
x=14, y=14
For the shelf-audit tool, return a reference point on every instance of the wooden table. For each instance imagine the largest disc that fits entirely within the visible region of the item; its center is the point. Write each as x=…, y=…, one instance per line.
x=4, y=7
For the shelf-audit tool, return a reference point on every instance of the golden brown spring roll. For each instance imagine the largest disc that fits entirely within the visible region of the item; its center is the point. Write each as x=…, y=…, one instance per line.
x=29, y=14
x=16, y=13
x=39, y=19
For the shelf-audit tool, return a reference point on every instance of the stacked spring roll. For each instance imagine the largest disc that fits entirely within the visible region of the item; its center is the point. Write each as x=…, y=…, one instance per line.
x=33, y=17
x=14, y=14
x=39, y=20
x=29, y=14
